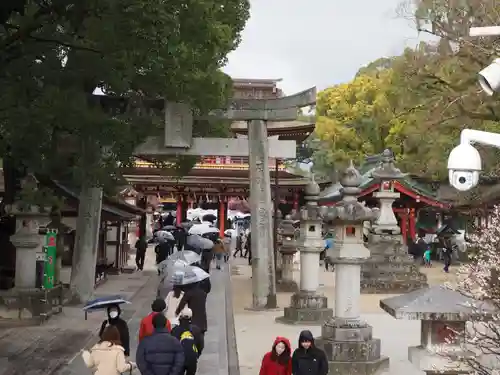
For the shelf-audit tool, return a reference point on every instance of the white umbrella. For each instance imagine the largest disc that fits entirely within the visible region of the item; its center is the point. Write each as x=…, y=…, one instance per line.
x=200, y=228
x=164, y=236
x=189, y=275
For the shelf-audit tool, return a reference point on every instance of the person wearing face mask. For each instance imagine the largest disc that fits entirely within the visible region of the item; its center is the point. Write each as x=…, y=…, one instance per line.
x=307, y=359
x=278, y=361
x=114, y=319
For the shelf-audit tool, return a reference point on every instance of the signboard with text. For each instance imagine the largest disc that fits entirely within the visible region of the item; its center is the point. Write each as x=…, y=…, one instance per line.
x=50, y=259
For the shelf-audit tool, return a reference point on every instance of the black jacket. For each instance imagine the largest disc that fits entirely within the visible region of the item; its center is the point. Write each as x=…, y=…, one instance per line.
x=196, y=299
x=122, y=327
x=206, y=285
x=311, y=361
x=162, y=250
x=160, y=354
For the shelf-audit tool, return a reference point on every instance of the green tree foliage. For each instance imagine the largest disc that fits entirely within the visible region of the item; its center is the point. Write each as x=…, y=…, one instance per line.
x=53, y=54
x=417, y=103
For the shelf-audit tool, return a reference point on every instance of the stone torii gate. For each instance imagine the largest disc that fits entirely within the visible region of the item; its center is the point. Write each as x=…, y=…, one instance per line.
x=178, y=140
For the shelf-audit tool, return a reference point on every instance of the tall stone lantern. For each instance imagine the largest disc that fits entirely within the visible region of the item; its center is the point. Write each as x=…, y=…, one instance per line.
x=390, y=270
x=307, y=306
x=347, y=340
x=288, y=247
x=386, y=174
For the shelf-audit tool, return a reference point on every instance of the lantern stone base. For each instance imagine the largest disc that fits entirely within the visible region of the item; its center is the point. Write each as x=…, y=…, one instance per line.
x=390, y=270
x=29, y=306
x=351, y=349
x=306, y=308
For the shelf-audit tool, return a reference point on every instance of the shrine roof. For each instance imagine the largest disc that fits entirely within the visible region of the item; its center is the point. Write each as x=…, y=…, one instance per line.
x=112, y=208
x=434, y=303
x=369, y=184
x=293, y=130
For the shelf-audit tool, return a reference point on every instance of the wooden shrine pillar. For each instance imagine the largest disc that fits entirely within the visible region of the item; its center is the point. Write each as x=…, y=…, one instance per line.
x=222, y=216
x=403, y=215
x=178, y=211
x=412, y=224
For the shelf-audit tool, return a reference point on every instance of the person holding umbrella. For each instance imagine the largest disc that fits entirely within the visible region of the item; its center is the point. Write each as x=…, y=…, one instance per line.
x=194, y=296
x=121, y=325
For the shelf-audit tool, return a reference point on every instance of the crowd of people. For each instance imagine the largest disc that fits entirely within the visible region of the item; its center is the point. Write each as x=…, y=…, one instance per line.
x=171, y=336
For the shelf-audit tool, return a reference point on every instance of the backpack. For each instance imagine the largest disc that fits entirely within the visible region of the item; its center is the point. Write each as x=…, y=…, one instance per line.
x=189, y=344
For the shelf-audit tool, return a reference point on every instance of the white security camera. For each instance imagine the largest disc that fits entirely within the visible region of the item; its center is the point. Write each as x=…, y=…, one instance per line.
x=489, y=78
x=464, y=165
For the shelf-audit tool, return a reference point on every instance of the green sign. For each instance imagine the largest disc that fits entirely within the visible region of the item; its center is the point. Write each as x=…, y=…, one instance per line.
x=50, y=258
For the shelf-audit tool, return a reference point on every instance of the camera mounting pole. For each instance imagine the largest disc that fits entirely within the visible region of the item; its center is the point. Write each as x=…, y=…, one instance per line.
x=468, y=136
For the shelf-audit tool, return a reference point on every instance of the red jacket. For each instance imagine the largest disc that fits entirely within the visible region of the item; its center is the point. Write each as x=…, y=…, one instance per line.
x=146, y=327
x=270, y=367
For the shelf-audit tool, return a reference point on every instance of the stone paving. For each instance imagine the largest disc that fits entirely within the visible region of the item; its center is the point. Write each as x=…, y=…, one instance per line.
x=255, y=332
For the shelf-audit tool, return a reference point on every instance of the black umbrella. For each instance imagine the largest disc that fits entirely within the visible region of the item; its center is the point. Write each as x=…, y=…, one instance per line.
x=209, y=217
x=186, y=225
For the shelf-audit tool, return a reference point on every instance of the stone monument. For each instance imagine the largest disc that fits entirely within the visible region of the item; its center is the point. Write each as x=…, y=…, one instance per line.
x=346, y=339
x=390, y=269
x=288, y=248
x=307, y=306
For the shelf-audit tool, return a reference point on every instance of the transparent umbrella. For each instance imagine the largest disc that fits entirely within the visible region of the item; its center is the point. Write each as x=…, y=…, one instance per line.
x=201, y=228
x=188, y=256
x=189, y=275
x=197, y=243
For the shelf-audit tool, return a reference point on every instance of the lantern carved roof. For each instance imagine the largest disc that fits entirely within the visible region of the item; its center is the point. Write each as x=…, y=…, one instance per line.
x=387, y=170
x=349, y=209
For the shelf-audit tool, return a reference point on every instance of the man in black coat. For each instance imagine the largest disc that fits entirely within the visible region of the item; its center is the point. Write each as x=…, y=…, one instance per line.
x=161, y=353
x=196, y=298
x=307, y=359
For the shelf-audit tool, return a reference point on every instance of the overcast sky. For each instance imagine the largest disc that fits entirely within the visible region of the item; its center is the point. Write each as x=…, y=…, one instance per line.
x=318, y=42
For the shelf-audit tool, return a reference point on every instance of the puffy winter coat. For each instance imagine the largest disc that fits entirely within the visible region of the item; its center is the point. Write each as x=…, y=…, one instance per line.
x=106, y=358
x=274, y=365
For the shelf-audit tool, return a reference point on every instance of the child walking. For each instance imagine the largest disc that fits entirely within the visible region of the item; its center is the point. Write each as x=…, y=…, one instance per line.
x=427, y=257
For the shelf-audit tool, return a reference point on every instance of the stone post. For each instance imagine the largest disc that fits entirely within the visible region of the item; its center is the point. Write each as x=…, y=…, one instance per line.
x=389, y=270
x=263, y=279
x=346, y=339
x=28, y=243
x=287, y=250
x=308, y=306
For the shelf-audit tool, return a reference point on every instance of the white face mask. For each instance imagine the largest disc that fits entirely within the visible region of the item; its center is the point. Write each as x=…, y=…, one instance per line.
x=113, y=314
x=280, y=348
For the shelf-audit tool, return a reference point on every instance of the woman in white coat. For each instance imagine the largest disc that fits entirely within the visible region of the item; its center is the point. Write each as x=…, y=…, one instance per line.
x=172, y=301
x=108, y=357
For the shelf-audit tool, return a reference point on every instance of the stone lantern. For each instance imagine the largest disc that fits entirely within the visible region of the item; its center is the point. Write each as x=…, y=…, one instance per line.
x=347, y=340
x=386, y=174
x=288, y=247
x=443, y=315
x=390, y=270
x=307, y=306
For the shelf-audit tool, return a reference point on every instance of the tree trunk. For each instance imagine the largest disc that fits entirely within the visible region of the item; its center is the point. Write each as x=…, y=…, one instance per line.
x=87, y=235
